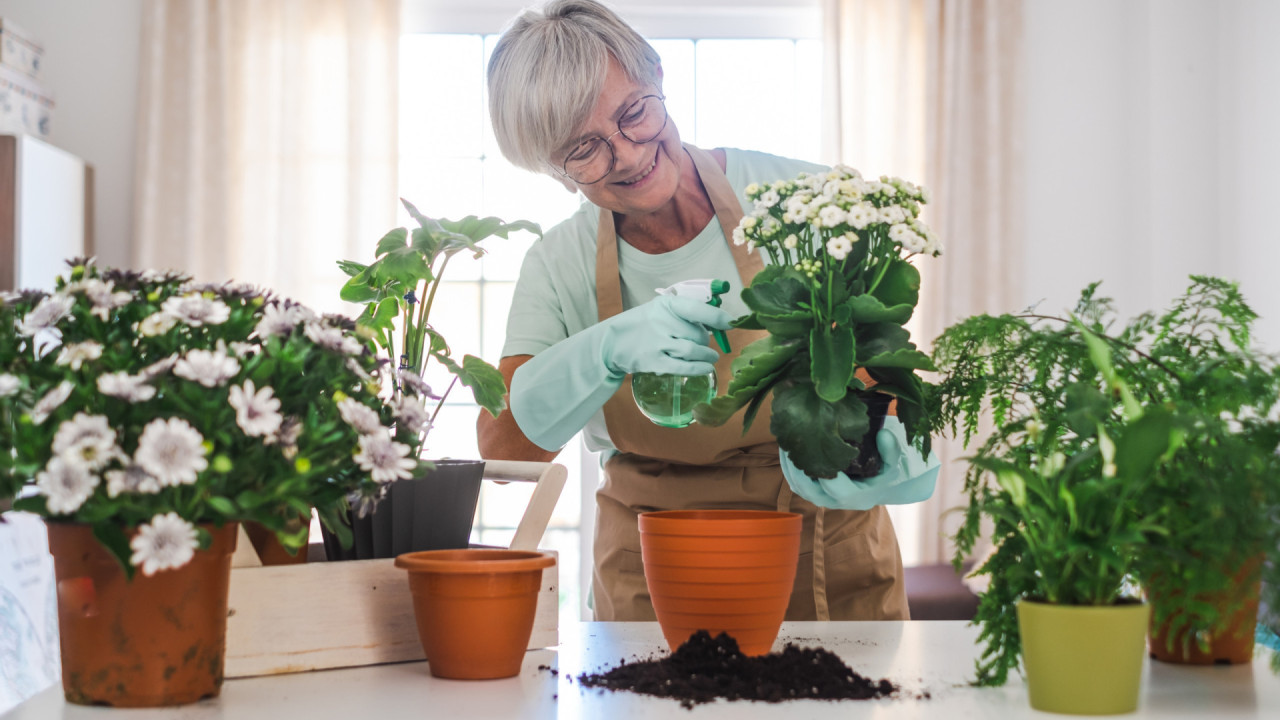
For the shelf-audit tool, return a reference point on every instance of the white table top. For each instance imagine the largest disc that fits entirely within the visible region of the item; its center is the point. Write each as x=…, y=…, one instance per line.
x=936, y=657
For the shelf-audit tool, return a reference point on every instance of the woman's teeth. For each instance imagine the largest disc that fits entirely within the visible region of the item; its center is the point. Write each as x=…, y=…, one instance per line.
x=642, y=175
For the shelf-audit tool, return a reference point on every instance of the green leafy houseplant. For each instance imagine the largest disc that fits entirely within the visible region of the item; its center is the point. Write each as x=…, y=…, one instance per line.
x=1213, y=501
x=836, y=297
x=145, y=400
x=399, y=289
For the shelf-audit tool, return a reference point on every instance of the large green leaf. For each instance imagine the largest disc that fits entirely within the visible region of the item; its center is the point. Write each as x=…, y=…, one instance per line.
x=869, y=309
x=900, y=284
x=778, y=293
x=426, y=242
x=351, y=268
x=817, y=434
x=478, y=229
x=405, y=266
x=358, y=289
x=795, y=324
x=831, y=350
x=1084, y=408
x=903, y=358
x=1151, y=437
x=485, y=381
x=880, y=338
x=393, y=240
x=754, y=370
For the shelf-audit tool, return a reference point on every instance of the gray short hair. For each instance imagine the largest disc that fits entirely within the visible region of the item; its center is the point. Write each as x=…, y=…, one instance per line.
x=547, y=71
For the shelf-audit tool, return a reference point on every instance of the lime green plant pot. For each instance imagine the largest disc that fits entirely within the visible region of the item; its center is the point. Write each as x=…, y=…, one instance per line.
x=1083, y=660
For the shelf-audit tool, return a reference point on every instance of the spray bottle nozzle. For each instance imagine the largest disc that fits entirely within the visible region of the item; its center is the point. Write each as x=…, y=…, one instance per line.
x=707, y=291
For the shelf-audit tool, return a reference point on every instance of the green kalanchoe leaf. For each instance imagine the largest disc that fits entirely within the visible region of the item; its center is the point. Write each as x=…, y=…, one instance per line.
x=900, y=284
x=831, y=350
x=879, y=339
x=903, y=358
x=756, y=367
x=869, y=309
x=818, y=435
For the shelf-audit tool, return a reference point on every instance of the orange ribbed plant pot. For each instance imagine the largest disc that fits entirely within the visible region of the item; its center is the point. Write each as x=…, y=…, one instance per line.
x=1232, y=644
x=475, y=608
x=153, y=641
x=721, y=571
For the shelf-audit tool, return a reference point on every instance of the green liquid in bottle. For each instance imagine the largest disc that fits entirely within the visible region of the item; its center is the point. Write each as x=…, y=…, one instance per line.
x=668, y=400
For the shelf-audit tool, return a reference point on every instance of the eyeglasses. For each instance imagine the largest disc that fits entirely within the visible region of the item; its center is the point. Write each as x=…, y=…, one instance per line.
x=591, y=160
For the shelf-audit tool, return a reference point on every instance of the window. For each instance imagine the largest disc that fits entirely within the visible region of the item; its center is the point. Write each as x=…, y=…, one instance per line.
x=744, y=74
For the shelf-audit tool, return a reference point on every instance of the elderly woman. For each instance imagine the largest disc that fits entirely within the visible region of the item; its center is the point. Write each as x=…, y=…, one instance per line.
x=576, y=93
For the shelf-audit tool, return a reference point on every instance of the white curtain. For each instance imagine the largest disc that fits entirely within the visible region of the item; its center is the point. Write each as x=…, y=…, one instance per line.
x=267, y=139
x=930, y=90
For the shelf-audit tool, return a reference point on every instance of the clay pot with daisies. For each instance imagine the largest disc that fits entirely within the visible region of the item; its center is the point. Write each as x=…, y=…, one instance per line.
x=143, y=416
x=435, y=508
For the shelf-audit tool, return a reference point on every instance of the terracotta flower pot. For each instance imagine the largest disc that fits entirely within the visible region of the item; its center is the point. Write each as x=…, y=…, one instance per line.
x=156, y=640
x=475, y=608
x=1081, y=659
x=1232, y=642
x=268, y=546
x=720, y=571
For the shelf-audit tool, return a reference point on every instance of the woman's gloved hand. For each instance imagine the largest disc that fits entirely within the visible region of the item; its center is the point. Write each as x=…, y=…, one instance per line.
x=906, y=478
x=555, y=393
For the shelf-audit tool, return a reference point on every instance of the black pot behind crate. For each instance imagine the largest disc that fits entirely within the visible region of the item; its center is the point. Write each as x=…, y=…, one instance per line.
x=434, y=512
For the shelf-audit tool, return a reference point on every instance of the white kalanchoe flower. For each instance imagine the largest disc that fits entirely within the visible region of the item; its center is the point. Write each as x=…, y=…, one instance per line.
x=257, y=412
x=839, y=247
x=46, y=314
x=9, y=384
x=157, y=323
x=51, y=401
x=132, y=479
x=86, y=439
x=166, y=543
x=360, y=417
x=768, y=199
x=739, y=236
x=210, y=368
x=66, y=484
x=831, y=216
x=196, y=310
x=384, y=459
x=332, y=338
x=791, y=242
x=410, y=413
x=172, y=451
x=130, y=388
x=76, y=354
x=862, y=215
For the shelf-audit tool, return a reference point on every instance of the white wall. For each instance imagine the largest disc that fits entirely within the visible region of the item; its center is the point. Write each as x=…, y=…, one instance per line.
x=91, y=65
x=1151, y=147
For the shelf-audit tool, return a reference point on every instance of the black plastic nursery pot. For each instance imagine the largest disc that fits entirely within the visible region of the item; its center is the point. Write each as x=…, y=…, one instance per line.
x=432, y=512
x=868, y=463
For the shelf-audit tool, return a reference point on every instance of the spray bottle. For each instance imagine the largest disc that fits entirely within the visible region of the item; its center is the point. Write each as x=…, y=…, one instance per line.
x=668, y=400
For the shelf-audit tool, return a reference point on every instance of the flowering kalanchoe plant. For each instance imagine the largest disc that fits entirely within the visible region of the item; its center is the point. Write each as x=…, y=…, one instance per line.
x=399, y=289
x=835, y=298
x=146, y=401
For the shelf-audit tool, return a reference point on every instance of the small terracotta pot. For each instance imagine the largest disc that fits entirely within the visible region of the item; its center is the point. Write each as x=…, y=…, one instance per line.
x=721, y=571
x=475, y=608
x=1232, y=642
x=154, y=641
x=267, y=545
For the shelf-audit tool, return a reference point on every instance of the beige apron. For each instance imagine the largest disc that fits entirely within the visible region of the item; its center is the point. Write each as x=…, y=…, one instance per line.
x=850, y=568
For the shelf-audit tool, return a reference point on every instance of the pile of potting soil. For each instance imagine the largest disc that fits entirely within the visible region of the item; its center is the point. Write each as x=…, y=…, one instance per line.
x=706, y=668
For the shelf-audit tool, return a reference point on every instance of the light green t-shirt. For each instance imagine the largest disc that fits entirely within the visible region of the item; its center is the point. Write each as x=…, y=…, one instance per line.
x=555, y=295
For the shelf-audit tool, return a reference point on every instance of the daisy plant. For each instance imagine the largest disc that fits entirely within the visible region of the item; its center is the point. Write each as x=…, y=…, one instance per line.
x=834, y=299
x=398, y=291
x=149, y=406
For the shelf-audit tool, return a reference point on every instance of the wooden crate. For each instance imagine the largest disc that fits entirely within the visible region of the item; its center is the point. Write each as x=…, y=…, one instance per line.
x=344, y=614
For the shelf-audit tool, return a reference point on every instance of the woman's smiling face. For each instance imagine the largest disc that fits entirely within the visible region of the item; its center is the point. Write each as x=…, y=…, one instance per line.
x=645, y=176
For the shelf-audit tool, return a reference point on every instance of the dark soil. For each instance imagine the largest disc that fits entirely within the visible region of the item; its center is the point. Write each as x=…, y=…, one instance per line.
x=705, y=669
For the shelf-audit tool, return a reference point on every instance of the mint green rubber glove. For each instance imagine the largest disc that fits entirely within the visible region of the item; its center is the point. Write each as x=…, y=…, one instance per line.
x=906, y=478
x=556, y=392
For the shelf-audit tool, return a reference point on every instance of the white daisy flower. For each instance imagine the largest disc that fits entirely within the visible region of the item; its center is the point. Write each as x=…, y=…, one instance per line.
x=167, y=542
x=172, y=451
x=332, y=338
x=410, y=413
x=103, y=296
x=130, y=388
x=157, y=323
x=158, y=368
x=9, y=384
x=87, y=439
x=132, y=479
x=46, y=314
x=66, y=484
x=210, y=368
x=76, y=354
x=286, y=437
x=839, y=247
x=277, y=320
x=412, y=382
x=51, y=401
x=196, y=310
x=831, y=216
x=257, y=412
x=360, y=417
x=384, y=459
x=243, y=349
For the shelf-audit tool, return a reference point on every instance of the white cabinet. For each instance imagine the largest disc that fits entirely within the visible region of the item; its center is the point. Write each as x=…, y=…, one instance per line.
x=46, y=211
